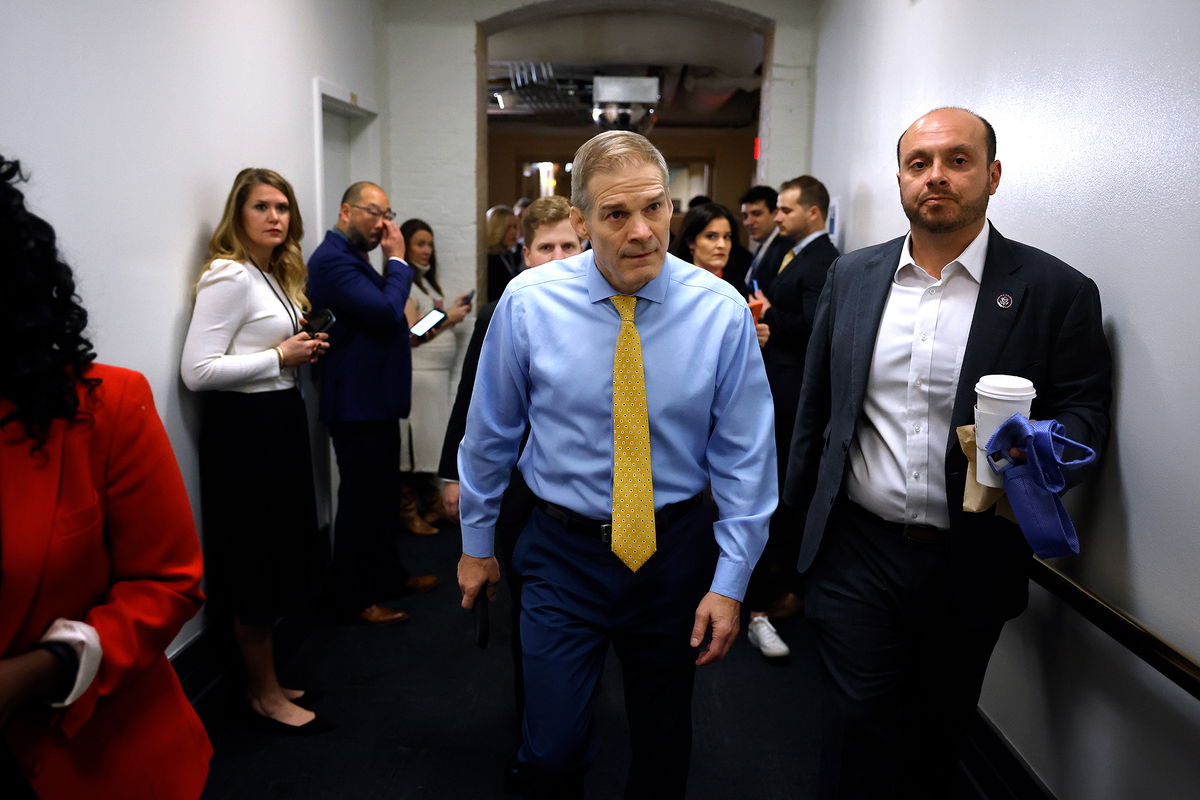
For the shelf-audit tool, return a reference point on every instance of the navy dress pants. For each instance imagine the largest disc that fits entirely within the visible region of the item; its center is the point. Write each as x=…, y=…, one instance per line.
x=366, y=565
x=903, y=667
x=577, y=599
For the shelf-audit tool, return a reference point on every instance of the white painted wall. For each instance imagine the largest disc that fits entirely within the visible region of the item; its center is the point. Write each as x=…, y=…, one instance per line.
x=1097, y=109
x=132, y=119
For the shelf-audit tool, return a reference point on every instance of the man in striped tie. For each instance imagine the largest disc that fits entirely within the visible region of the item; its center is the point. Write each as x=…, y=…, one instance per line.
x=642, y=384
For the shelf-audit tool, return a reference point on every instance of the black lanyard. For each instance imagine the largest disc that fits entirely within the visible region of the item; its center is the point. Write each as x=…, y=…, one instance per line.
x=293, y=317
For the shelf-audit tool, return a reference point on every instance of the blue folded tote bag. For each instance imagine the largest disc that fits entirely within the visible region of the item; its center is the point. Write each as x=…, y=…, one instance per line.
x=1034, y=488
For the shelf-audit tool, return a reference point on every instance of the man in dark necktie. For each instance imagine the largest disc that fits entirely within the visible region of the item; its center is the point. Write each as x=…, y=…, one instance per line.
x=789, y=299
x=758, y=218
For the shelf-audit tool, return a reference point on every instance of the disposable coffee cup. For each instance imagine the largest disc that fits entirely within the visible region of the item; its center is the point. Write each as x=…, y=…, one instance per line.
x=997, y=397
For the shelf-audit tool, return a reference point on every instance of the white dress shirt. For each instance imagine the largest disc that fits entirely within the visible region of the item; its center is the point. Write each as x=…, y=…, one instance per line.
x=807, y=240
x=761, y=251
x=761, y=247
x=898, y=456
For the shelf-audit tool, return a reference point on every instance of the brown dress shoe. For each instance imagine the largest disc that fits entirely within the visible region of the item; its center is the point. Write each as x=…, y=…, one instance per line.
x=421, y=583
x=410, y=516
x=378, y=615
x=418, y=526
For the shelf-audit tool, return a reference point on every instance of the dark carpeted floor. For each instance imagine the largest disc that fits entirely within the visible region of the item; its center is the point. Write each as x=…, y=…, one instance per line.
x=423, y=713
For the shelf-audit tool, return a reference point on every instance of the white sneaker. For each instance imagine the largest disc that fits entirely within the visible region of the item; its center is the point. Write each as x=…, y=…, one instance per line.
x=762, y=634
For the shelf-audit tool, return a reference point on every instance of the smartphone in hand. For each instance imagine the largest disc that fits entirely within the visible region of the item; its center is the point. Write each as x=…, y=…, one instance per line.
x=428, y=322
x=318, y=321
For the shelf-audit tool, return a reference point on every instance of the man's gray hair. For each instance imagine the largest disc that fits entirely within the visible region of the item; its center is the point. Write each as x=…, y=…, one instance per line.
x=607, y=152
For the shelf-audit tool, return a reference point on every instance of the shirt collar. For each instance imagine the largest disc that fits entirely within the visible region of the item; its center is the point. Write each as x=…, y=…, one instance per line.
x=971, y=259
x=599, y=288
x=770, y=238
x=807, y=240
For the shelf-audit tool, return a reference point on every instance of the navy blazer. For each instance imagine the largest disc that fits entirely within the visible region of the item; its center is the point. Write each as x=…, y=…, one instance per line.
x=367, y=374
x=1035, y=317
x=793, y=294
x=768, y=267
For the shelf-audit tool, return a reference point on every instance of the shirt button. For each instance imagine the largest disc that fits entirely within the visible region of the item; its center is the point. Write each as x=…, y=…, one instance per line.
x=918, y=381
x=916, y=476
x=914, y=515
x=917, y=428
x=933, y=291
x=924, y=336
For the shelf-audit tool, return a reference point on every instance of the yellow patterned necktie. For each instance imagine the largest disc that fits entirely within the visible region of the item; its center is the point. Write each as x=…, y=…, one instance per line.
x=787, y=259
x=633, y=486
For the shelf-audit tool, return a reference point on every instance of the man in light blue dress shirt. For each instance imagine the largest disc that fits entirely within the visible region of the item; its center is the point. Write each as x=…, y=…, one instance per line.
x=548, y=362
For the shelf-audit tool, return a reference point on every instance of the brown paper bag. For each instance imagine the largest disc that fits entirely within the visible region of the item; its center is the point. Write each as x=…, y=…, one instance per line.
x=977, y=497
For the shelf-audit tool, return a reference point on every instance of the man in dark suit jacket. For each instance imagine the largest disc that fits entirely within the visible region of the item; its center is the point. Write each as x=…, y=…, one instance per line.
x=767, y=268
x=758, y=206
x=908, y=593
x=789, y=305
x=365, y=390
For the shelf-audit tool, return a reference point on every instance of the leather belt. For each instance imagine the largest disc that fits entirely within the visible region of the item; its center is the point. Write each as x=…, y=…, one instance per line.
x=602, y=528
x=918, y=534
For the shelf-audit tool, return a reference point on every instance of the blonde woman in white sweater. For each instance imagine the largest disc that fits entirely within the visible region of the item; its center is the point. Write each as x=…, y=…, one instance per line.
x=264, y=556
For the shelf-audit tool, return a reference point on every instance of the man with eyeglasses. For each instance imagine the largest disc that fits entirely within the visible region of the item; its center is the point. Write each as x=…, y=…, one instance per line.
x=365, y=390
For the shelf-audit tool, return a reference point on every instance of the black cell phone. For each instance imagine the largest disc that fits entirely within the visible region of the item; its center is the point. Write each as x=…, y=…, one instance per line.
x=428, y=322
x=482, y=621
x=470, y=297
x=318, y=321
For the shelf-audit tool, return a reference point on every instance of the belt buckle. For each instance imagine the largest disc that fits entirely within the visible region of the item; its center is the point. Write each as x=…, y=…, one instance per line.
x=606, y=532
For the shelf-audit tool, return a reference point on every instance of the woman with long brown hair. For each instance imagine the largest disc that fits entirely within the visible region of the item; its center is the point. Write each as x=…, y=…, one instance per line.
x=264, y=553
x=433, y=358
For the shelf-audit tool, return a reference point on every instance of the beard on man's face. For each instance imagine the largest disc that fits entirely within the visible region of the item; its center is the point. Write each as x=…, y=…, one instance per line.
x=969, y=212
x=360, y=242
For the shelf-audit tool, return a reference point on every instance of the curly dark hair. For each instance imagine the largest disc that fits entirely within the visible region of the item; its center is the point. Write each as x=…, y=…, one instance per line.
x=43, y=319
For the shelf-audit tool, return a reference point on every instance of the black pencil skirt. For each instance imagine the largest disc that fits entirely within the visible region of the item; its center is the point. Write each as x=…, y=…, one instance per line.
x=264, y=555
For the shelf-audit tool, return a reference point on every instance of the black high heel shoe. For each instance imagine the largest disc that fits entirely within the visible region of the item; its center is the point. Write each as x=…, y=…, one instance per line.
x=310, y=699
x=269, y=725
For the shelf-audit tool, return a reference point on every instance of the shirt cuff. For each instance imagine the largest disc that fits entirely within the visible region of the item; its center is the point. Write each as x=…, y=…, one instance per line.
x=478, y=542
x=84, y=640
x=731, y=579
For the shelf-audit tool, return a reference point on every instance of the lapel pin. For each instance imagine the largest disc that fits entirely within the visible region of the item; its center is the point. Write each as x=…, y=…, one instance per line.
x=1004, y=301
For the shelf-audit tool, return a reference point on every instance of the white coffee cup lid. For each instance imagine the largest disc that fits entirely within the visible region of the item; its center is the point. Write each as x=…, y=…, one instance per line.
x=1005, y=386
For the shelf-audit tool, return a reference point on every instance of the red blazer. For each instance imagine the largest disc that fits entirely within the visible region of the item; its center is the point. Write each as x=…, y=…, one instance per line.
x=98, y=528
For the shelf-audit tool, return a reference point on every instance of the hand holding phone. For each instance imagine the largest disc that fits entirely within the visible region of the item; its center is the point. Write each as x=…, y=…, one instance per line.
x=318, y=321
x=428, y=322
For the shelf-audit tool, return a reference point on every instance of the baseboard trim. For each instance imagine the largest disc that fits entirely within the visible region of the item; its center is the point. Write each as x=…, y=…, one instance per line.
x=203, y=670
x=993, y=770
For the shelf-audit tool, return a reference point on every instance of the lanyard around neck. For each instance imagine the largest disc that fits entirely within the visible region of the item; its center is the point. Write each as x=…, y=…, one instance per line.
x=293, y=316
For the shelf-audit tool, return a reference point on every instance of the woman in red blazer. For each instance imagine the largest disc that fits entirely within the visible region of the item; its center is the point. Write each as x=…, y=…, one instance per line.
x=99, y=560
